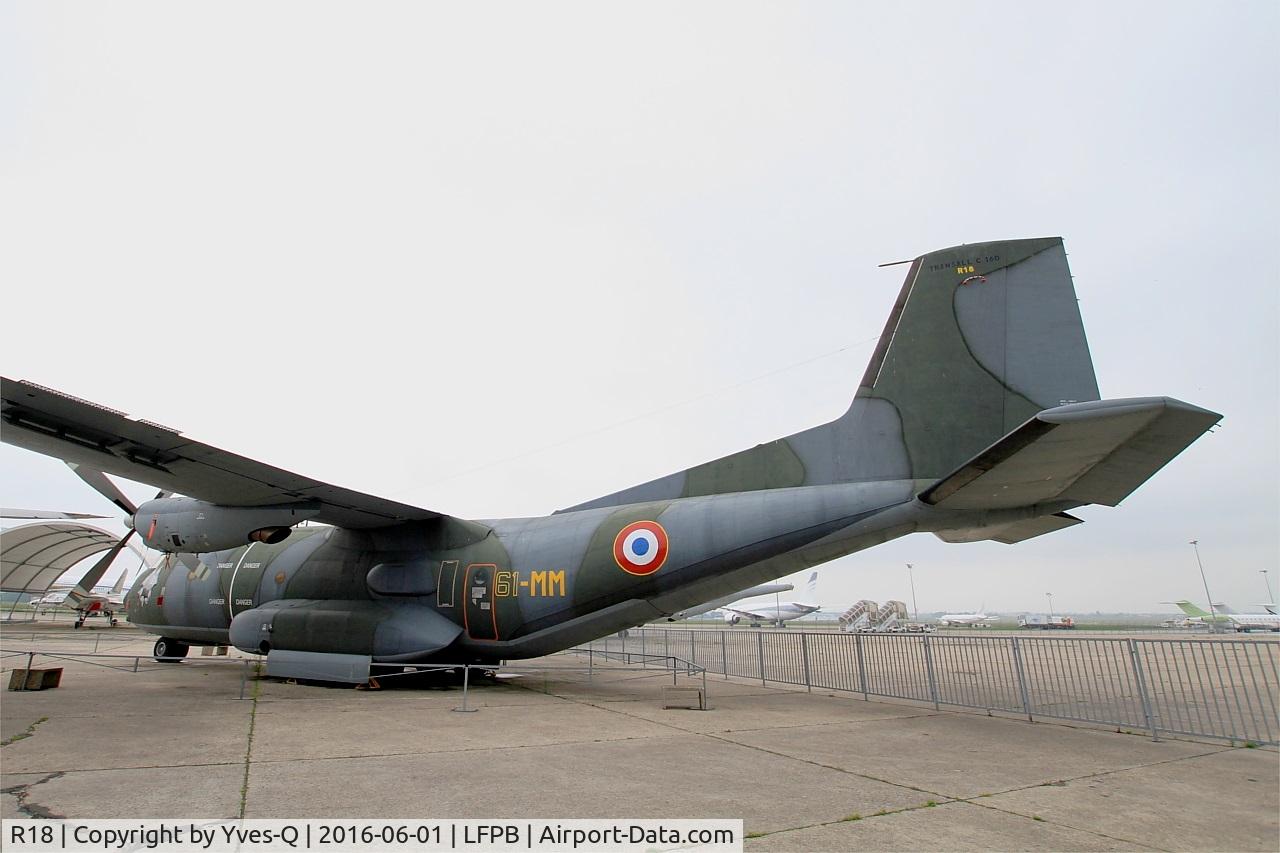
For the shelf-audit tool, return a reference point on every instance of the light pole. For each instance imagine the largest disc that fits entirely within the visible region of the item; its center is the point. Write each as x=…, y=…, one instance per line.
x=1213, y=614
x=1266, y=580
x=915, y=611
x=1049, y=595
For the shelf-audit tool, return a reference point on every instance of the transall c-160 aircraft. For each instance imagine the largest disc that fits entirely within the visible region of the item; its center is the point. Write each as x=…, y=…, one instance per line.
x=978, y=418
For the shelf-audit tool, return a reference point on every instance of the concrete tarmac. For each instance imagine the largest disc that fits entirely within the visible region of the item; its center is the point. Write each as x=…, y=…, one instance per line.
x=806, y=771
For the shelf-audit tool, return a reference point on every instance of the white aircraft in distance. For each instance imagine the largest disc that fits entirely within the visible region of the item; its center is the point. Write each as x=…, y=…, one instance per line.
x=716, y=604
x=1227, y=616
x=88, y=603
x=764, y=610
x=973, y=620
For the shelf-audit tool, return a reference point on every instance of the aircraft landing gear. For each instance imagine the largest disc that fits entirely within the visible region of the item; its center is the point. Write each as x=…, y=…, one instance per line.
x=79, y=624
x=114, y=621
x=168, y=650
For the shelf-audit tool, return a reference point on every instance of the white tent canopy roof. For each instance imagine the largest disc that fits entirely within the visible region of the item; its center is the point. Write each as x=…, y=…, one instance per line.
x=34, y=556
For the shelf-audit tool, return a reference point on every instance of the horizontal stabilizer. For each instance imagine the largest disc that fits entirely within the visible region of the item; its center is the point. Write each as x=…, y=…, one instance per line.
x=1014, y=532
x=1083, y=453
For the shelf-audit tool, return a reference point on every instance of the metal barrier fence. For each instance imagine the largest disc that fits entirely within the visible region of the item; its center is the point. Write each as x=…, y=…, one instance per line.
x=253, y=667
x=1203, y=687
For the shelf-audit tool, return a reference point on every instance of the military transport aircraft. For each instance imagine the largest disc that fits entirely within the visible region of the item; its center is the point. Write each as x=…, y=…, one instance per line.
x=978, y=418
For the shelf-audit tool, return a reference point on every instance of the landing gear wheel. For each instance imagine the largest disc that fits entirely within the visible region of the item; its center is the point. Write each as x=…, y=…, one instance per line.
x=168, y=650
x=79, y=624
x=114, y=621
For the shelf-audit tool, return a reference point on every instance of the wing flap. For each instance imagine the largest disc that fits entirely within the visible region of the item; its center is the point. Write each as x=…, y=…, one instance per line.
x=1096, y=452
x=74, y=430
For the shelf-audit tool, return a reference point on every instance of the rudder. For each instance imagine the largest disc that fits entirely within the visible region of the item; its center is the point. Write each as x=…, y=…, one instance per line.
x=982, y=338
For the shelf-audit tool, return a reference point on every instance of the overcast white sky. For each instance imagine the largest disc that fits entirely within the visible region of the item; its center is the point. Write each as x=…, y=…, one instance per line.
x=495, y=260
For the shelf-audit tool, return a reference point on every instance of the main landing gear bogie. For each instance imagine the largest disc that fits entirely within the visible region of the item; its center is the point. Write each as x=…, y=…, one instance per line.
x=169, y=650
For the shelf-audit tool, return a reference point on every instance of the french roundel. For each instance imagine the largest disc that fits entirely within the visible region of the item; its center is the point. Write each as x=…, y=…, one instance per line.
x=641, y=547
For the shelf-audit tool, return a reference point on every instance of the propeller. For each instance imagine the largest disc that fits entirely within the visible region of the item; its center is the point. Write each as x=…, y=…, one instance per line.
x=91, y=577
x=102, y=484
x=99, y=482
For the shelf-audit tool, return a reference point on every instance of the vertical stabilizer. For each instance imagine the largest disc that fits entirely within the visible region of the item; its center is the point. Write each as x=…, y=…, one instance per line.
x=982, y=337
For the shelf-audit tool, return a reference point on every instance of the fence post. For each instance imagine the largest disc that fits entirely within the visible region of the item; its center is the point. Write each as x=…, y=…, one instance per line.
x=862, y=668
x=1142, y=688
x=466, y=684
x=933, y=681
x=666, y=644
x=724, y=656
x=244, y=674
x=804, y=650
x=30, y=657
x=591, y=664
x=1022, y=681
x=693, y=648
x=644, y=653
x=760, y=647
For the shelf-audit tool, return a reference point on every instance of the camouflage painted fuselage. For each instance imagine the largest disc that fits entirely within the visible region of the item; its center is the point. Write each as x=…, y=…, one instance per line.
x=512, y=588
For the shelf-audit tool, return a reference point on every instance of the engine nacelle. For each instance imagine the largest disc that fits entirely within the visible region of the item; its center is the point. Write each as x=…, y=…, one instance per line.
x=732, y=618
x=192, y=526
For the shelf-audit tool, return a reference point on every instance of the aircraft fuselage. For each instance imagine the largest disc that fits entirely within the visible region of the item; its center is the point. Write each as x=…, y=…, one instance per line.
x=508, y=588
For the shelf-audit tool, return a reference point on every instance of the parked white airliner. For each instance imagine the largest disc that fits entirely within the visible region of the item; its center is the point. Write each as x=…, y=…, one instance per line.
x=772, y=611
x=716, y=604
x=974, y=620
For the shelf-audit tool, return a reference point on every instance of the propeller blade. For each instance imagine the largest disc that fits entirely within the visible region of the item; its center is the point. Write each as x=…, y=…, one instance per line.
x=9, y=512
x=101, y=484
x=84, y=588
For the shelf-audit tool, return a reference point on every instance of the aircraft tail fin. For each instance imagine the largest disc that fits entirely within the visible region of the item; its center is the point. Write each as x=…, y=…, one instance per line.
x=982, y=338
x=118, y=586
x=984, y=350
x=1190, y=609
x=811, y=589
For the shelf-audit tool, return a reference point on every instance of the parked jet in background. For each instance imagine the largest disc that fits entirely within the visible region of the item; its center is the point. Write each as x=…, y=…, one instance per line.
x=973, y=620
x=87, y=603
x=716, y=604
x=1227, y=617
x=773, y=611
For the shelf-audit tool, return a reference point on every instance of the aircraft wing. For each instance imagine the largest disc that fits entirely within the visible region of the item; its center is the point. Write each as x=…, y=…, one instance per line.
x=1081, y=453
x=77, y=431
x=747, y=614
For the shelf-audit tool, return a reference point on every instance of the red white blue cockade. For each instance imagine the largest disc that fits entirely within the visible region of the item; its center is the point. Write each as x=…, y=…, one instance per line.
x=640, y=548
